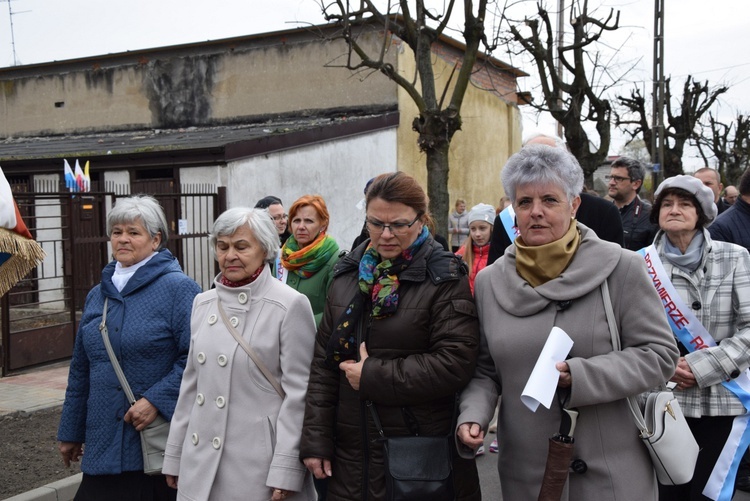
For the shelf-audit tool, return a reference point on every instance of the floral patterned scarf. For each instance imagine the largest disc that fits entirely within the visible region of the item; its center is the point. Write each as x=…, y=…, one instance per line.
x=309, y=260
x=378, y=280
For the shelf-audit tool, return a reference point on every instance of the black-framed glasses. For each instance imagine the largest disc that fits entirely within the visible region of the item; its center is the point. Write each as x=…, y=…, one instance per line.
x=376, y=227
x=618, y=179
x=280, y=217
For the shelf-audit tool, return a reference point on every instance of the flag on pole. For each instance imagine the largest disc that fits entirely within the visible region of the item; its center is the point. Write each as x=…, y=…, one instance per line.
x=87, y=177
x=80, y=181
x=70, y=179
x=19, y=253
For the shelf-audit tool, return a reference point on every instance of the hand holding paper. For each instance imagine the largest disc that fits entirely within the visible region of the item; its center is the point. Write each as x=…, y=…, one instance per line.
x=540, y=388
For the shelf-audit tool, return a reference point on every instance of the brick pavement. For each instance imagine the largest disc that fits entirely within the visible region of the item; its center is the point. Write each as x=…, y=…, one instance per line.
x=37, y=389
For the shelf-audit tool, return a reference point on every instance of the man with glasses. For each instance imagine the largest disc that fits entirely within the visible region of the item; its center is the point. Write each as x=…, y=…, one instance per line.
x=278, y=214
x=624, y=182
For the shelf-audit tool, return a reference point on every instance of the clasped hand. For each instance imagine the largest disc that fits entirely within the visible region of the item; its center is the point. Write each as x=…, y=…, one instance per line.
x=352, y=369
x=141, y=414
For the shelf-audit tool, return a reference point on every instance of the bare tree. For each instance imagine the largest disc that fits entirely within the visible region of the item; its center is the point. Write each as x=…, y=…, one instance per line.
x=575, y=96
x=728, y=143
x=681, y=121
x=439, y=109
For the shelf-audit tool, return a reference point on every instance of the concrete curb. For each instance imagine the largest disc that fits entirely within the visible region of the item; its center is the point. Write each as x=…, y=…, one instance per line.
x=61, y=490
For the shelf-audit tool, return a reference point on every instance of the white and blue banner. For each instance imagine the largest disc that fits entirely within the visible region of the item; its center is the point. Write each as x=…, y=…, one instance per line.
x=694, y=336
x=508, y=218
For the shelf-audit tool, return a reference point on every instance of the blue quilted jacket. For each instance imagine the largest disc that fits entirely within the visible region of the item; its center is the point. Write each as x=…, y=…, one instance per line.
x=149, y=328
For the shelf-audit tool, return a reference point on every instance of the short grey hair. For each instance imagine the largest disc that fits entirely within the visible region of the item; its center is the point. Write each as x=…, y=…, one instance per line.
x=541, y=164
x=259, y=222
x=144, y=208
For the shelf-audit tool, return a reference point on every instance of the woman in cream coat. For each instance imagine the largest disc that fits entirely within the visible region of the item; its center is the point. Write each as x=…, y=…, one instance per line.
x=551, y=276
x=233, y=436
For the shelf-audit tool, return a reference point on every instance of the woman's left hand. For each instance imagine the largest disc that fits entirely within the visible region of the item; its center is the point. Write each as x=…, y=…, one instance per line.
x=141, y=414
x=565, y=379
x=352, y=369
x=279, y=494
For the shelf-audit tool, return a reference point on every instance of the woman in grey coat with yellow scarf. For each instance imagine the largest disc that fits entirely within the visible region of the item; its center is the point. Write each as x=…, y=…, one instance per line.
x=550, y=277
x=234, y=436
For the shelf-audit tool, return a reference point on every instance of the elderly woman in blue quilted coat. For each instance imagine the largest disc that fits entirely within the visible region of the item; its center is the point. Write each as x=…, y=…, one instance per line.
x=148, y=319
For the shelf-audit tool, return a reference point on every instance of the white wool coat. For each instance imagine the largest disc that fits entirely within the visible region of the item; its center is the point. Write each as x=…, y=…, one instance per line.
x=232, y=436
x=515, y=321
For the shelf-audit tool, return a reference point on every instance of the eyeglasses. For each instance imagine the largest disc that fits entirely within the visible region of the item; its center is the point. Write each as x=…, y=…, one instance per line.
x=280, y=217
x=617, y=179
x=376, y=227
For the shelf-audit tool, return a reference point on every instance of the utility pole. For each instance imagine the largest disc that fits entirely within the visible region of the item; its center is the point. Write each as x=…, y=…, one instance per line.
x=657, y=125
x=560, y=38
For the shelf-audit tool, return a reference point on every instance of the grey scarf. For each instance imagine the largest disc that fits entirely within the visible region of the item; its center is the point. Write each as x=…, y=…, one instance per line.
x=693, y=256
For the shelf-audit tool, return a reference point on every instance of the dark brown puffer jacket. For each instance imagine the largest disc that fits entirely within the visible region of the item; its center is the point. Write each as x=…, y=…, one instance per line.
x=418, y=358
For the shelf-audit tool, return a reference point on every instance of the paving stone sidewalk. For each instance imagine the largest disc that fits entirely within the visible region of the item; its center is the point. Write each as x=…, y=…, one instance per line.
x=41, y=388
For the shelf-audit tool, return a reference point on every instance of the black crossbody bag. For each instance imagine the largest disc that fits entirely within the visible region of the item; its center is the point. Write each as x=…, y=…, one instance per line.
x=418, y=467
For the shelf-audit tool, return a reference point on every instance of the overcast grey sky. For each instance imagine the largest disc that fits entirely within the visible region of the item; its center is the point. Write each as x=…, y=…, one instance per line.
x=708, y=40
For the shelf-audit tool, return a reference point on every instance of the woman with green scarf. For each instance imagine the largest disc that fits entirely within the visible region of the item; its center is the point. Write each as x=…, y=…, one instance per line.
x=308, y=255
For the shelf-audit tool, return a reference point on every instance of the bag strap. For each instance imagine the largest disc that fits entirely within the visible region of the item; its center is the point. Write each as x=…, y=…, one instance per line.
x=250, y=352
x=635, y=409
x=371, y=405
x=113, y=358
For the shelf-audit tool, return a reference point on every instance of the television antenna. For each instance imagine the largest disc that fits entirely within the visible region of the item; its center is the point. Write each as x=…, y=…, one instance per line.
x=12, y=32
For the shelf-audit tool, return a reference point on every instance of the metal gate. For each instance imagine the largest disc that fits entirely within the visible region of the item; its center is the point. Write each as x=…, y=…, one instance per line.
x=40, y=315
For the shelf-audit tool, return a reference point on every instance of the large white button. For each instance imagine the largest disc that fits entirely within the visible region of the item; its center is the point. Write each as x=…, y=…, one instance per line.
x=201, y=357
x=194, y=438
x=216, y=442
x=242, y=298
x=212, y=319
x=234, y=321
x=200, y=399
x=220, y=402
x=222, y=359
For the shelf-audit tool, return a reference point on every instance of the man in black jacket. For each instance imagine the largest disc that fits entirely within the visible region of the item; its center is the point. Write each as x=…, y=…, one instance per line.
x=734, y=224
x=624, y=183
x=596, y=213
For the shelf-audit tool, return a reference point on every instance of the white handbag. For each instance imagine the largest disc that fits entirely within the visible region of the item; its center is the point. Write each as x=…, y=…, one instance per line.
x=664, y=430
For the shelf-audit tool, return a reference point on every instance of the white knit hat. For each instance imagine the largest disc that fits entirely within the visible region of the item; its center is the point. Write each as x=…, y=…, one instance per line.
x=482, y=212
x=696, y=187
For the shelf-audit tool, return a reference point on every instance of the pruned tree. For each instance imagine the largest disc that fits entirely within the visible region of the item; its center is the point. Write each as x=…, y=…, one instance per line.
x=439, y=109
x=574, y=97
x=680, y=123
x=729, y=144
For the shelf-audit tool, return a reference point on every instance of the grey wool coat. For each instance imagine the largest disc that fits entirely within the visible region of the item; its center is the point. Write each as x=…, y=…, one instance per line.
x=515, y=321
x=232, y=436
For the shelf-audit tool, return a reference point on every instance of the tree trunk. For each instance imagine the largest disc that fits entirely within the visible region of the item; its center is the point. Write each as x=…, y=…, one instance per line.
x=435, y=133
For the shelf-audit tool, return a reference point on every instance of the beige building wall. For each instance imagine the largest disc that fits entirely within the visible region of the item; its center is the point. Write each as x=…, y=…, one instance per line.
x=490, y=134
x=174, y=88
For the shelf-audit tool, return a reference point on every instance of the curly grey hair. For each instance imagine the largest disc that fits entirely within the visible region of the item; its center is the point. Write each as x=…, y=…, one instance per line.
x=144, y=208
x=259, y=222
x=537, y=163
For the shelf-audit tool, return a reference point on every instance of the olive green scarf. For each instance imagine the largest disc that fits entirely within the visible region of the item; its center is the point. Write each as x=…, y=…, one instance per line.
x=538, y=264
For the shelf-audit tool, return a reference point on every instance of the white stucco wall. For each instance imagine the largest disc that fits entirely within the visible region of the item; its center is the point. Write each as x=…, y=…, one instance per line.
x=50, y=272
x=336, y=170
